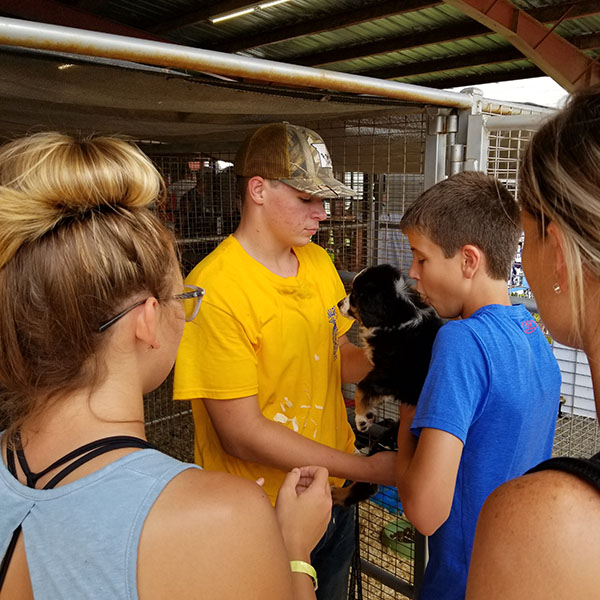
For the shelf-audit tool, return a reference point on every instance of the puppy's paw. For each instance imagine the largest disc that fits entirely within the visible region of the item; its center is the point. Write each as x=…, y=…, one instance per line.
x=352, y=494
x=364, y=422
x=341, y=496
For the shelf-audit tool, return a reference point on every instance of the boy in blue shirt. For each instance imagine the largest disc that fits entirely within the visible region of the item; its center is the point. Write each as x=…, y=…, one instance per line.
x=487, y=411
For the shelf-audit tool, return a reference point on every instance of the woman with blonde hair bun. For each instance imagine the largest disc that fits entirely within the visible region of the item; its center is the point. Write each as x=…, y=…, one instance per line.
x=93, y=306
x=538, y=536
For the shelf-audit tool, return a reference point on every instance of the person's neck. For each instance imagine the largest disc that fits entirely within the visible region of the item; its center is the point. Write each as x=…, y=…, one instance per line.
x=591, y=347
x=82, y=417
x=489, y=291
x=276, y=257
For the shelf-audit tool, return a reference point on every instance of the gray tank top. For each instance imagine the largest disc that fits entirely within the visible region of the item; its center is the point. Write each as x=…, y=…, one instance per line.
x=82, y=538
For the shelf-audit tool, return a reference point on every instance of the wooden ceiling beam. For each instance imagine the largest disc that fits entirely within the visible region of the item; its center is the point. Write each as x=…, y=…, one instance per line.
x=573, y=10
x=554, y=55
x=449, y=63
x=588, y=41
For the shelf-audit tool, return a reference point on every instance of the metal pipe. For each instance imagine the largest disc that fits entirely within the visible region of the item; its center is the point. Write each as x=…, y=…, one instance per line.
x=514, y=122
x=16, y=32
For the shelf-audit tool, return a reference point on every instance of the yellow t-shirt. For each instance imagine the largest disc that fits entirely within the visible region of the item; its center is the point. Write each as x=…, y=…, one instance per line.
x=275, y=337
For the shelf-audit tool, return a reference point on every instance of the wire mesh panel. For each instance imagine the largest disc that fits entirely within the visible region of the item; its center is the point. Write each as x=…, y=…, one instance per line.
x=382, y=159
x=504, y=152
x=201, y=209
x=387, y=544
x=577, y=430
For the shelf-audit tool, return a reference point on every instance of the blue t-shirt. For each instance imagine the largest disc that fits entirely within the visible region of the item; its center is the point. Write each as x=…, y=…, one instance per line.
x=494, y=384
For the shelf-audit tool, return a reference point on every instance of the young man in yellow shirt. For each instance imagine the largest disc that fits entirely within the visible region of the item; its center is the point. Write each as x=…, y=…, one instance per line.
x=264, y=367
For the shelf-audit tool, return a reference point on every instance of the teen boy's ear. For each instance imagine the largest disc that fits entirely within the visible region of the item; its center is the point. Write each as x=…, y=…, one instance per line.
x=256, y=187
x=471, y=260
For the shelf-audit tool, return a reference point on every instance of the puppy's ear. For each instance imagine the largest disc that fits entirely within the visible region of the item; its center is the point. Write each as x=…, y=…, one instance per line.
x=373, y=307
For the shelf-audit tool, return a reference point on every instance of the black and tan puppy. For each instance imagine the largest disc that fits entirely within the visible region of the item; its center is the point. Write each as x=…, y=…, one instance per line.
x=398, y=330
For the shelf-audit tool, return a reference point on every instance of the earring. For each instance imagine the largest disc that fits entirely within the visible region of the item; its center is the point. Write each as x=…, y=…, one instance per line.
x=556, y=288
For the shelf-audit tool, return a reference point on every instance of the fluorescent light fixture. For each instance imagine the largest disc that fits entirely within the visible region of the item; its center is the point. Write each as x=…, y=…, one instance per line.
x=245, y=11
x=231, y=15
x=272, y=3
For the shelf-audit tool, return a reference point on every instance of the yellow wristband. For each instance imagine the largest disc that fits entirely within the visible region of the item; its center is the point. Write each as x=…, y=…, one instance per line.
x=299, y=566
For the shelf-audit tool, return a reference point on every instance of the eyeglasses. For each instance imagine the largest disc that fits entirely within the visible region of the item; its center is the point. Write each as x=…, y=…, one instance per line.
x=192, y=299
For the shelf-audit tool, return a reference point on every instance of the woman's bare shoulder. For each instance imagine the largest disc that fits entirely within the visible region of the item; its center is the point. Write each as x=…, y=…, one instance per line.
x=206, y=497
x=545, y=506
x=529, y=540
x=203, y=521
x=550, y=489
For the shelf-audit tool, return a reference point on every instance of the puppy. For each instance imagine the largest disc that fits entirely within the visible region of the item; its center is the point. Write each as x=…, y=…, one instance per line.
x=383, y=436
x=397, y=330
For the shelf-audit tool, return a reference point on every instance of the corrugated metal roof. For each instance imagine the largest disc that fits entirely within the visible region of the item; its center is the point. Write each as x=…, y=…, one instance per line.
x=353, y=36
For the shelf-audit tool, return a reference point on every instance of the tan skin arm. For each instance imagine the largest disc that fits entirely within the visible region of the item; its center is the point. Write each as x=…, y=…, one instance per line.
x=213, y=535
x=303, y=510
x=537, y=539
x=355, y=365
x=246, y=434
x=426, y=473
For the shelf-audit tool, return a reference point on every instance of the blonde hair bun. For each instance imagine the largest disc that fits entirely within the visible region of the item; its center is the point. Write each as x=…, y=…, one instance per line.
x=50, y=177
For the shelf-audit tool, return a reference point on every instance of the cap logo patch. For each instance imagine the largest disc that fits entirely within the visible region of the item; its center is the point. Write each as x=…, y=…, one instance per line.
x=324, y=157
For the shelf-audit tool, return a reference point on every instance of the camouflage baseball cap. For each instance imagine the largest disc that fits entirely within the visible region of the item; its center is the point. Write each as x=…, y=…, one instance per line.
x=292, y=154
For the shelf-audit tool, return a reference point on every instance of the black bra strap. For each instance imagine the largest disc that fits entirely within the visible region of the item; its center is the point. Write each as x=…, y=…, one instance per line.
x=85, y=453
x=10, y=462
x=586, y=469
x=114, y=444
x=90, y=450
x=8, y=555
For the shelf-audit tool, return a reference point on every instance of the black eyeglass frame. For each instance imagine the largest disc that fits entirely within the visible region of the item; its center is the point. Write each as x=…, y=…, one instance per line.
x=195, y=292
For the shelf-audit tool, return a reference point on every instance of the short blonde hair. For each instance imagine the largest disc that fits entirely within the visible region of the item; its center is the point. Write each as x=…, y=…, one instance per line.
x=78, y=238
x=560, y=182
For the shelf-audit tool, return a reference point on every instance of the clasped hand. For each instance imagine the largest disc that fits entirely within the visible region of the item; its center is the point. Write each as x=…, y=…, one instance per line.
x=303, y=509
